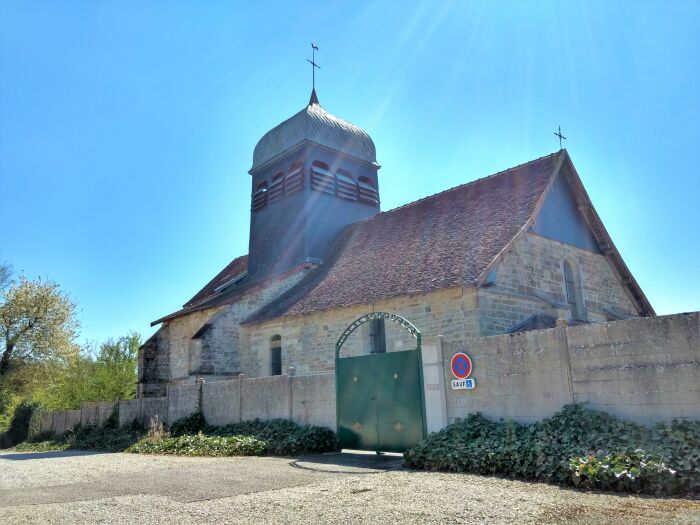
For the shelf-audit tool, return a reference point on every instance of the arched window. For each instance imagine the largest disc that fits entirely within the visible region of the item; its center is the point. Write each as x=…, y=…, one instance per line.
x=367, y=191
x=276, y=355
x=276, y=189
x=574, y=293
x=294, y=181
x=346, y=187
x=260, y=196
x=321, y=177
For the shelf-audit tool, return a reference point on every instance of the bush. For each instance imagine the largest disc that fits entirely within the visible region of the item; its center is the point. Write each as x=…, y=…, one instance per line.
x=19, y=425
x=191, y=424
x=103, y=438
x=201, y=445
x=546, y=451
x=42, y=446
x=634, y=471
x=283, y=437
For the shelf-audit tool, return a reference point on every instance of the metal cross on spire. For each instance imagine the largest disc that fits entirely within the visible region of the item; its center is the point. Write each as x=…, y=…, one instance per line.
x=314, y=65
x=558, y=134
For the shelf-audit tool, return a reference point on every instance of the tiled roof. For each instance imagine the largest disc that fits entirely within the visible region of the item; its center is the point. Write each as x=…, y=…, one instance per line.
x=314, y=124
x=233, y=269
x=443, y=241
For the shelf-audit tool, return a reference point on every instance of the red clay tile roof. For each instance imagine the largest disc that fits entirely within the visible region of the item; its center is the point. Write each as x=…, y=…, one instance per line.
x=233, y=269
x=443, y=241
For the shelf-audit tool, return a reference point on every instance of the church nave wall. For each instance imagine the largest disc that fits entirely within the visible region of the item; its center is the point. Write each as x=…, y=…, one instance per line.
x=530, y=279
x=308, y=342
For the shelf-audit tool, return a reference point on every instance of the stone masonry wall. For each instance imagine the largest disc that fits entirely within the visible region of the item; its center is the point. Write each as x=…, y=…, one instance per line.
x=218, y=352
x=530, y=279
x=308, y=342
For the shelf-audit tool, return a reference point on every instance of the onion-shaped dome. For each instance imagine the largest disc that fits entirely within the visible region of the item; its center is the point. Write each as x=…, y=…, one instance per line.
x=314, y=124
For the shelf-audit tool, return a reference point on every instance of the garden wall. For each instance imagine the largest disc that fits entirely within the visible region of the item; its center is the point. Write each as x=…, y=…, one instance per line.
x=645, y=370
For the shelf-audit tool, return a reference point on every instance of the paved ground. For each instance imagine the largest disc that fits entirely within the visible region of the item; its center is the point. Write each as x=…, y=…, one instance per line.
x=79, y=487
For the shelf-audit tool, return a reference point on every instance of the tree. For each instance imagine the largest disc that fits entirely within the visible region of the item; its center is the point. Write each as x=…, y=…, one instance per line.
x=5, y=276
x=37, y=323
x=115, y=368
x=108, y=374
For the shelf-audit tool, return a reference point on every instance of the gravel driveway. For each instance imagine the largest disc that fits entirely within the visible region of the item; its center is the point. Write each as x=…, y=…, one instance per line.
x=80, y=487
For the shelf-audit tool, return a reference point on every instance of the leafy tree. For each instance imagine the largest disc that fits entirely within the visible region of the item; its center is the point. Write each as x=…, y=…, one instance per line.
x=106, y=374
x=115, y=368
x=37, y=323
x=5, y=275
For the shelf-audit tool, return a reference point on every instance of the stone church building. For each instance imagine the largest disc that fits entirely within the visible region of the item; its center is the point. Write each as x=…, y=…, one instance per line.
x=519, y=250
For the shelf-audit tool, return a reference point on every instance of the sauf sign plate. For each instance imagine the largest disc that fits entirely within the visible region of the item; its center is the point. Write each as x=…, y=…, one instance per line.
x=463, y=384
x=461, y=366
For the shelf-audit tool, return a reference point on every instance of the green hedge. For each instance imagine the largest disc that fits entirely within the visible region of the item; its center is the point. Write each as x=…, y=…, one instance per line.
x=575, y=446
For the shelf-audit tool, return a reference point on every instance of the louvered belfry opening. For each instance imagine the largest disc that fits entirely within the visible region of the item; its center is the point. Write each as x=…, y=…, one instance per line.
x=312, y=176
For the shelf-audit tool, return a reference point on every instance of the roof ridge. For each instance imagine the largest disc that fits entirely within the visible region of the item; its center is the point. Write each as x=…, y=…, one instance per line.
x=459, y=186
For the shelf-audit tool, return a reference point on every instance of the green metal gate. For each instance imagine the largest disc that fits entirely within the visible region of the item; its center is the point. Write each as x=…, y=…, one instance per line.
x=379, y=397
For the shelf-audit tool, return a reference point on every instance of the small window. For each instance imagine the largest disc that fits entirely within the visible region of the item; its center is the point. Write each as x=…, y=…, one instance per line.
x=149, y=368
x=346, y=187
x=367, y=191
x=294, y=181
x=377, y=336
x=572, y=285
x=276, y=355
x=260, y=196
x=276, y=189
x=321, y=178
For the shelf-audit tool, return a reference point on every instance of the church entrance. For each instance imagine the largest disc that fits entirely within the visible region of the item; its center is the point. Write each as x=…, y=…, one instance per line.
x=379, y=397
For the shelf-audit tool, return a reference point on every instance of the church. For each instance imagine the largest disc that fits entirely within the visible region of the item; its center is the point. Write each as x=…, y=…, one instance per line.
x=519, y=250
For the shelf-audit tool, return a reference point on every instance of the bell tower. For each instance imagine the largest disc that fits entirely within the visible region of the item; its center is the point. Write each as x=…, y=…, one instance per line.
x=312, y=175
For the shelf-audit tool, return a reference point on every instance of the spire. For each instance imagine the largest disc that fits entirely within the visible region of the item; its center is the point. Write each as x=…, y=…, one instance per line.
x=314, y=99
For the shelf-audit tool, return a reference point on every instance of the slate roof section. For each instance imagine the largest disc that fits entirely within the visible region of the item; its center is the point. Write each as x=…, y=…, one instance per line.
x=233, y=269
x=443, y=241
x=212, y=296
x=314, y=124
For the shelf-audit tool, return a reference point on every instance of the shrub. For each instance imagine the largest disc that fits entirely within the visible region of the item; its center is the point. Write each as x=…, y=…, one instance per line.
x=201, y=445
x=42, y=446
x=546, y=450
x=188, y=425
x=19, y=425
x=103, y=438
x=283, y=437
x=634, y=471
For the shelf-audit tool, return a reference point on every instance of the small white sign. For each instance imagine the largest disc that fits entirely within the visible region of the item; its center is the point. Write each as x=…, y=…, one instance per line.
x=463, y=384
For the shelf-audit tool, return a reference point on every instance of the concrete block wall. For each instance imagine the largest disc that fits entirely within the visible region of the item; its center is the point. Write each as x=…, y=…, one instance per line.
x=95, y=412
x=313, y=400
x=644, y=370
x=142, y=410
x=183, y=400
x=266, y=398
x=521, y=377
x=221, y=402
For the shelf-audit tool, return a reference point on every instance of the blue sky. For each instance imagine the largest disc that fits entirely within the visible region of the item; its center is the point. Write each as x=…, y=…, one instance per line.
x=127, y=128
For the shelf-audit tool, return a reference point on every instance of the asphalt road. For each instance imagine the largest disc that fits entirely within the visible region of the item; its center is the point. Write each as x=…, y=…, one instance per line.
x=82, y=487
